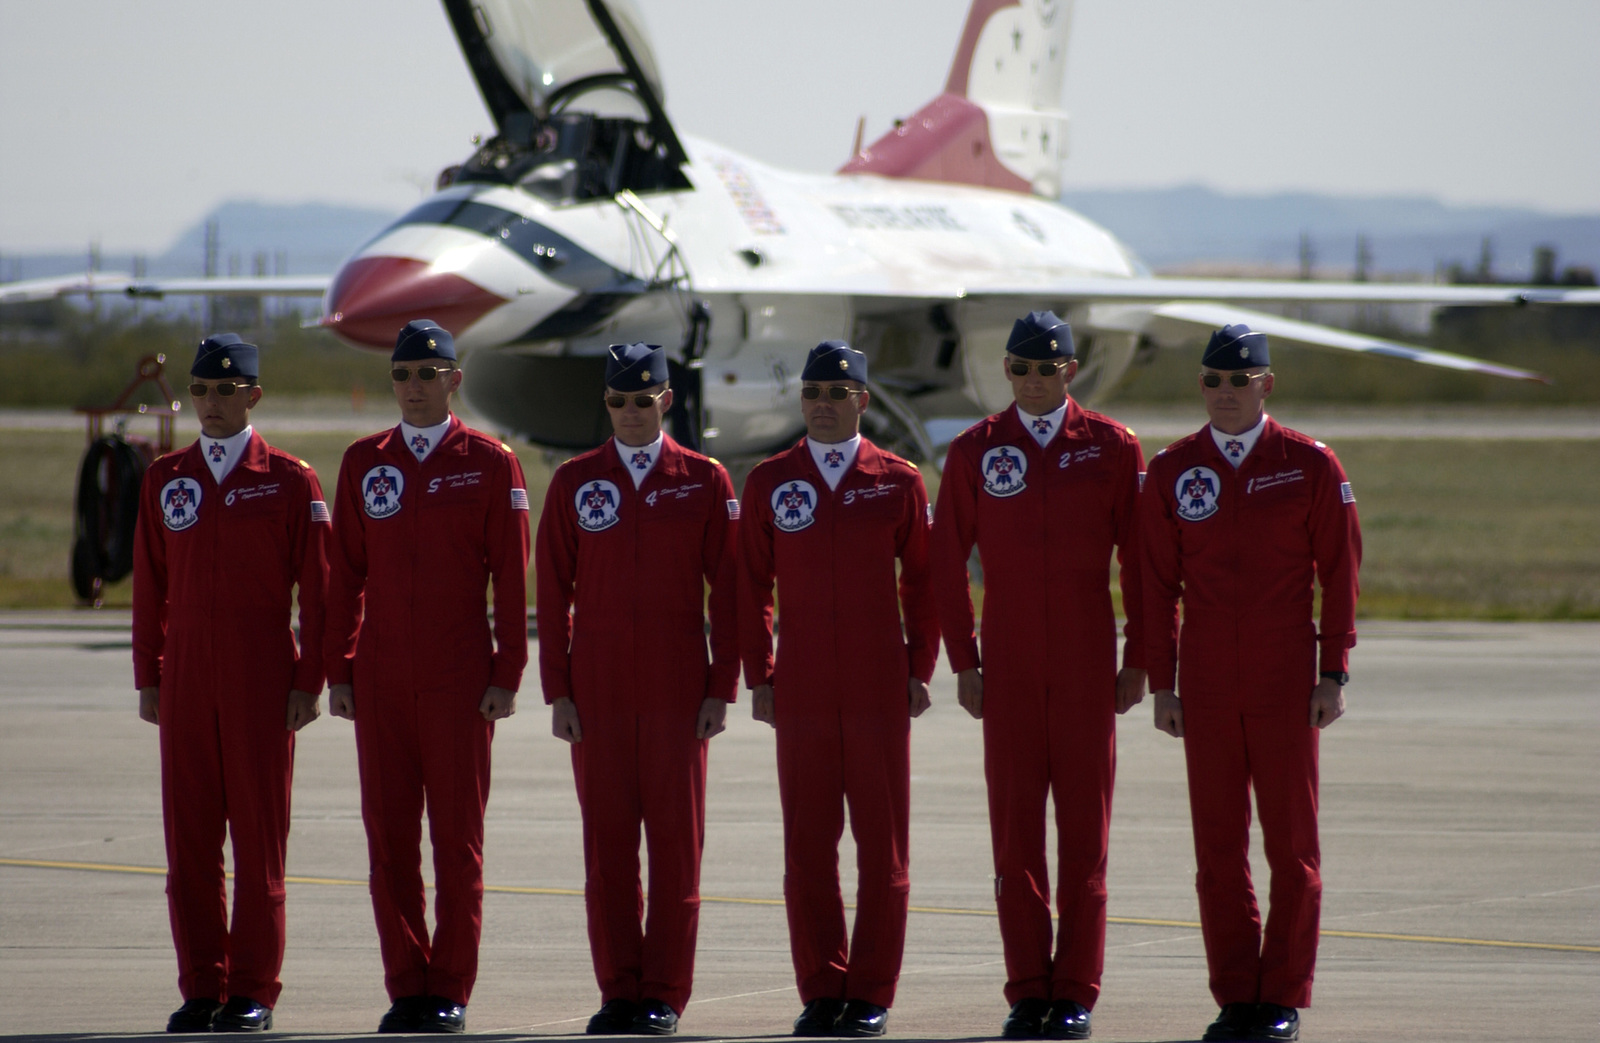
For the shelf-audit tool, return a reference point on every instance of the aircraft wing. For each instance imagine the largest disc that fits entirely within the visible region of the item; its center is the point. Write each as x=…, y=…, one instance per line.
x=1290, y=291
x=121, y=284
x=1175, y=312
x=1187, y=322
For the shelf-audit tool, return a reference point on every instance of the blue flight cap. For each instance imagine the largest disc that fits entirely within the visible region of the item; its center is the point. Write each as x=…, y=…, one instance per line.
x=1040, y=336
x=1236, y=347
x=633, y=366
x=835, y=360
x=423, y=340
x=224, y=355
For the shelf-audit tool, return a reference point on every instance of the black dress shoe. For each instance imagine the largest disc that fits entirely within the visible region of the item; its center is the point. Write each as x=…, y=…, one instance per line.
x=614, y=1018
x=405, y=1015
x=860, y=1018
x=1234, y=1022
x=1026, y=1020
x=819, y=1017
x=1067, y=1020
x=654, y=1018
x=243, y=1014
x=194, y=1016
x=439, y=1014
x=1274, y=1024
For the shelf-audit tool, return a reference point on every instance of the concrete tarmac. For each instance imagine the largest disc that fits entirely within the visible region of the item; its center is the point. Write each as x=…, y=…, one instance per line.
x=1461, y=844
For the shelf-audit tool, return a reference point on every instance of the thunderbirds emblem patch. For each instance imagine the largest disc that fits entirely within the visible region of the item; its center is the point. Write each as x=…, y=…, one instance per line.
x=597, y=504
x=380, y=491
x=1196, y=493
x=180, y=503
x=794, y=506
x=1003, y=470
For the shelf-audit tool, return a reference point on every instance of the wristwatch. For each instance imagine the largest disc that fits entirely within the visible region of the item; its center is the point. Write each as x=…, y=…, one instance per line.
x=1339, y=677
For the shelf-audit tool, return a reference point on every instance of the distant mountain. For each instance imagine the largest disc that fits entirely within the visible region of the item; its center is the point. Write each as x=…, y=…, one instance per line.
x=294, y=239
x=1190, y=227
x=314, y=237
x=1193, y=226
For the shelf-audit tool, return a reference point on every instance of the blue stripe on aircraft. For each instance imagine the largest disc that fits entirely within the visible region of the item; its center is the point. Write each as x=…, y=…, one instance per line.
x=558, y=257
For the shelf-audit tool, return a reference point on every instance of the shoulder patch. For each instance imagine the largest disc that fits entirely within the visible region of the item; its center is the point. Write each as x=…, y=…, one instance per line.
x=305, y=465
x=714, y=460
x=1131, y=433
x=507, y=448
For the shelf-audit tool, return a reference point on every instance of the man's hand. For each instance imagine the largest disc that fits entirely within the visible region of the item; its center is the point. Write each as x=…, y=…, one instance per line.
x=497, y=703
x=564, y=720
x=1169, y=713
x=969, y=692
x=1130, y=688
x=1327, y=703
x=342, y=701
x=712, y=719
x=303, y=709
x=917, y=693
x=763, y=706
x=150, y=704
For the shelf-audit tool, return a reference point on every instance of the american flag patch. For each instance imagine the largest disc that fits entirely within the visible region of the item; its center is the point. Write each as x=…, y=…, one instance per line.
x=519, y=499
x=1346, y=493
x=733, y=510
x=319, y=511
x=930, y=515
x=1141, y=481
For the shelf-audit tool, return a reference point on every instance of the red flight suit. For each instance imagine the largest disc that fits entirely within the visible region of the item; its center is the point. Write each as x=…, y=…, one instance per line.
x=213, y=570
x=1242, y=548
x=632, y=565
x=414, y=547
x=841, y=696
x=1045, y=522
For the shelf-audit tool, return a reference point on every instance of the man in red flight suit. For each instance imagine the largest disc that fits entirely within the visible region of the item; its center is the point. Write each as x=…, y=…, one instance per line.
x=426, y=515
x=826, y=521
x=631, y=534
x=227, y=528
x=1045, y=490
x=1237, y=520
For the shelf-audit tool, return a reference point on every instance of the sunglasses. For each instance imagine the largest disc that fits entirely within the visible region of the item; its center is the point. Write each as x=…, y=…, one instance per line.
x=401, y=374
x=837, y=392
x=1046, y=369
x=1238, y=380
x=226, y=389
x=618, y=401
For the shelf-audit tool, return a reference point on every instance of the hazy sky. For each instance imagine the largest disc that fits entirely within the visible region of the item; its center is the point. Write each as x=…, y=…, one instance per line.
x=127, y=121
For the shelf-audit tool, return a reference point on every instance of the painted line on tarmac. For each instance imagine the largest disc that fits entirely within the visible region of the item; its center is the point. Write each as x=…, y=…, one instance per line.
x=568, y=892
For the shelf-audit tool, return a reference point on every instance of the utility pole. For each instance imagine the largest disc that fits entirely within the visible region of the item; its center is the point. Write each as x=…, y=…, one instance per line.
x=211, y=272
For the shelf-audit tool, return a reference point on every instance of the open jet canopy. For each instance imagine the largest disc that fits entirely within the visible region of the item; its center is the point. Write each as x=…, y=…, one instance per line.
x=575, y=94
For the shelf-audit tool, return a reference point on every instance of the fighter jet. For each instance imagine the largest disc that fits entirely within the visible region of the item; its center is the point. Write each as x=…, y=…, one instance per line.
x=586, y=220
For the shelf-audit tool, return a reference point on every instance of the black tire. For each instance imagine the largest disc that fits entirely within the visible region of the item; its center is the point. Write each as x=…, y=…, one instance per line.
x=107, y=511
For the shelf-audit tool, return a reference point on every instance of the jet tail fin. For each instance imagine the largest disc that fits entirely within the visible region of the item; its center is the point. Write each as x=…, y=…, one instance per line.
x=999, y=122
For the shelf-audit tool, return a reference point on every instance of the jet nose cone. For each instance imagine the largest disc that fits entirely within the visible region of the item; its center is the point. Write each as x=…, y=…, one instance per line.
x=373, y=297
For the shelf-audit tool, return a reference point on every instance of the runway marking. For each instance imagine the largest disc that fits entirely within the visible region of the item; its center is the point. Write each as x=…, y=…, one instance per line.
x=569, y=892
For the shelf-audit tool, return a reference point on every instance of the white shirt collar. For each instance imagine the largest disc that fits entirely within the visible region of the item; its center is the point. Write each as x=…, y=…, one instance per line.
x=1236, y=447
x=1043, y=428
x=221, y=454
x=834, y=459
x=640, y=460
x=422, y=441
